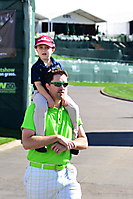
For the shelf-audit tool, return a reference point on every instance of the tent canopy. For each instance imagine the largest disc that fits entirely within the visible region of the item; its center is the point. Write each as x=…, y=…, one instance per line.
x=39, y=17
x=78, y=16
x=88, y=16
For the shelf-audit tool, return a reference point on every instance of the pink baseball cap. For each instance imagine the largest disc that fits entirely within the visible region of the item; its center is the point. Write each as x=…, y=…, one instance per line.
x=44, y=39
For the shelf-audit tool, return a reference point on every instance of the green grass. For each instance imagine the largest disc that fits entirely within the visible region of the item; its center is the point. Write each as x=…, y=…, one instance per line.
x=63, y=57
x=118, y=90
x=4, y=140
x=60, y=57
x=5, y=135
x=123, y=91
x=89, y=84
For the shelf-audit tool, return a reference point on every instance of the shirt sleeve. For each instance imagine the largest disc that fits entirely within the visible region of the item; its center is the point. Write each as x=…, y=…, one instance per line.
x=28, y=122
x=36, y=74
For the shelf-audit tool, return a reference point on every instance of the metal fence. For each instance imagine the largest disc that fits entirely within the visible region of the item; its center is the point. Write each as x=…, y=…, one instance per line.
x=94, y=71
x=96, y=50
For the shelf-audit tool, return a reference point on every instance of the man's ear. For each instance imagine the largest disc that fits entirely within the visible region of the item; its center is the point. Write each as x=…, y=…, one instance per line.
x=47, y=86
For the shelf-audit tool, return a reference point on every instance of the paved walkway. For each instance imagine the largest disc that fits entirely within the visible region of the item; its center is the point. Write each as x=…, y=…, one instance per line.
x=105, y=169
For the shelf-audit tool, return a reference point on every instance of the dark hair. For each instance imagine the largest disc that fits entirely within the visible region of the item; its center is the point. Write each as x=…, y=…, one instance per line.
x=58, y=71
x=49, y=75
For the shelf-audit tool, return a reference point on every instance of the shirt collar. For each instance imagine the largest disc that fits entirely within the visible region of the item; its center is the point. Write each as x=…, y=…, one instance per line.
x=53, y=61
x=41, y=62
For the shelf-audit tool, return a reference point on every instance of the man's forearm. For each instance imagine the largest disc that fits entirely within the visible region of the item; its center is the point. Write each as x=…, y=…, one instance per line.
x=30, y=141
x=80, y=143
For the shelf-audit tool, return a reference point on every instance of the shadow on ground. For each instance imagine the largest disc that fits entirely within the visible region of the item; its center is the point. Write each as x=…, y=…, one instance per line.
x=110, y=138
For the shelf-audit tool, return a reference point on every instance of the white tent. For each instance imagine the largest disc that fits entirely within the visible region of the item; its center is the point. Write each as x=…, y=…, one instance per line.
x=39, y=17
x=78, y=16
x=38, y=22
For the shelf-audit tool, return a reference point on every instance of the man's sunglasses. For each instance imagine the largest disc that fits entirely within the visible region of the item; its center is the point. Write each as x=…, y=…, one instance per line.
x=59, y=84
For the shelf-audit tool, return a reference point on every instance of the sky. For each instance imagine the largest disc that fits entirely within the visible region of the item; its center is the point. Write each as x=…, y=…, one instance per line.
x=111, y=11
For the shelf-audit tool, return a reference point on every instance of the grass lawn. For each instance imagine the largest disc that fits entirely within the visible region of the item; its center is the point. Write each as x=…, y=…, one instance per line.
x=4, y=140
x=119, y=90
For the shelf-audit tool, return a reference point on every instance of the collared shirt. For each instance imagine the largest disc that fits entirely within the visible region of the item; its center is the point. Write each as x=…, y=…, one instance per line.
x=57, y=122
x=39, y=70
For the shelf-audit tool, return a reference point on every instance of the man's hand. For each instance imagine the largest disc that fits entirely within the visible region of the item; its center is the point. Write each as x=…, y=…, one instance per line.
x=58, y=148
x=65, y=142
x=64, y=102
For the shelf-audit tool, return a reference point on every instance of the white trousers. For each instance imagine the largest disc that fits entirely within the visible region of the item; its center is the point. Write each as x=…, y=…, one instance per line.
x=41, y=108
x=50, y=184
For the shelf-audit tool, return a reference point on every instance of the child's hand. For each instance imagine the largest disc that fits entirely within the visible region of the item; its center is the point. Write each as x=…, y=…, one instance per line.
x=50, y=102
x=64, y=102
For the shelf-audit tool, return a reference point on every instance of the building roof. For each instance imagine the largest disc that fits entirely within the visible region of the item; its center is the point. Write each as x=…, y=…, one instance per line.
x=39, y=17
x=88, y=16
x=78, y=16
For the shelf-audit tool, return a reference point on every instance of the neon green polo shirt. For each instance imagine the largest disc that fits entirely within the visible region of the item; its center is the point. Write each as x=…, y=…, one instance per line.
x=57, y=122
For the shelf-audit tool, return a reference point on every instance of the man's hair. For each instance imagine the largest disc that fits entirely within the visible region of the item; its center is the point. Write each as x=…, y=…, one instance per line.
x=58, y=71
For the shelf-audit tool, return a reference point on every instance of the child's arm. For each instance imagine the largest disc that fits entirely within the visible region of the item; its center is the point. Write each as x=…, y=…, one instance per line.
x=43, y=92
